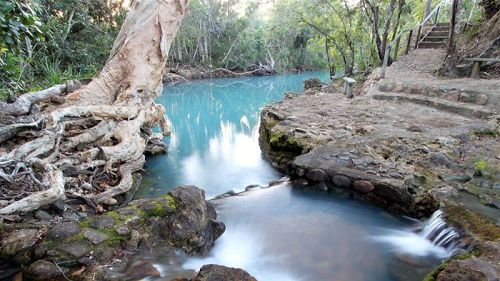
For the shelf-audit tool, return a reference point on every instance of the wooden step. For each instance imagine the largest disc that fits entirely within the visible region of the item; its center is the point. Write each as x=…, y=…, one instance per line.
x=442, y=24
x=466, y=110
x=436, y=38
x=431, y=45
x=439, y=33
x=441, y=28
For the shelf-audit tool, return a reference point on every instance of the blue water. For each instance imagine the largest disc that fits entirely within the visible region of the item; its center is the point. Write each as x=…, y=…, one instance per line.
x=214, y=141
x=283, y=232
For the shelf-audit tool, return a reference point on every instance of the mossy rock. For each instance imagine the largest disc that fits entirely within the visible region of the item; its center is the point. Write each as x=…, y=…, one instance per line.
x=472, y=223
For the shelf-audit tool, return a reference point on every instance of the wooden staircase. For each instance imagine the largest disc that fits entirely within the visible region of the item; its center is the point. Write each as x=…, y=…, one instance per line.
x=436, y=37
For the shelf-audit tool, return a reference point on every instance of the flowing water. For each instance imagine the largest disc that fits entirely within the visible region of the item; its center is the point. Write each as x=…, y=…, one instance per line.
x=282, y=232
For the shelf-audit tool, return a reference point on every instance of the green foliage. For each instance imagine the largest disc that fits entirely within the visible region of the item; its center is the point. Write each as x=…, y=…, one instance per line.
x=20, y=31
x=50, y=41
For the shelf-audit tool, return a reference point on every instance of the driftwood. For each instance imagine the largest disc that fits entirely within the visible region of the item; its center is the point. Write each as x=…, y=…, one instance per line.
x=90, y=146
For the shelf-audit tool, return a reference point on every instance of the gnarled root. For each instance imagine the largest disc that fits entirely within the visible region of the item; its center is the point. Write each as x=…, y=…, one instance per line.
x=53, y=178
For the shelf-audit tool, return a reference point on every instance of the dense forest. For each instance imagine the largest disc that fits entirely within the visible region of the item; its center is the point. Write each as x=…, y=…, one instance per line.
x=46, y=42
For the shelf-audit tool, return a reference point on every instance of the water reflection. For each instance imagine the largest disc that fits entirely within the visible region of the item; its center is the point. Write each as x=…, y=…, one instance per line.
x=214, y=141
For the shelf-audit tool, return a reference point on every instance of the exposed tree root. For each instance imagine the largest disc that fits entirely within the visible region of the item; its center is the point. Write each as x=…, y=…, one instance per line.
x=90, y=146
x=53, y=178
x=23, y=104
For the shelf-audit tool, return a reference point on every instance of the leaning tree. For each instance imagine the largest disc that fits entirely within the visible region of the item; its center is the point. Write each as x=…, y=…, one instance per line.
x=94, y=140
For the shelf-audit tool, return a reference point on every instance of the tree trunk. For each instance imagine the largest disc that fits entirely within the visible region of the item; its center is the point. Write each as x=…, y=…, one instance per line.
x=387, y=25
x=427, y=9
x=105, y=127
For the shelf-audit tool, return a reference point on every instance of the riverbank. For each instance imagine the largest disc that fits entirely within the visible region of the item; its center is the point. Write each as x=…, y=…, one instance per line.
x=180, y=73
x=412, y=144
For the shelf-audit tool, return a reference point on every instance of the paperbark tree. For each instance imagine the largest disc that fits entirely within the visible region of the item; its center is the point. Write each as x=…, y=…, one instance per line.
x=91, y=145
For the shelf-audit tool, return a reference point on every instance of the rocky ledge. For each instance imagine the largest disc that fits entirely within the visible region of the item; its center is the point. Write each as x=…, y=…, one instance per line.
x=82, y=249
x=410, y=158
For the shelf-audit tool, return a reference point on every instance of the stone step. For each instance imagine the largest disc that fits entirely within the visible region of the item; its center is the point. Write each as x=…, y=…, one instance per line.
x=436, y=38
x=431, y=45
x=447, y=93
x=466, y=110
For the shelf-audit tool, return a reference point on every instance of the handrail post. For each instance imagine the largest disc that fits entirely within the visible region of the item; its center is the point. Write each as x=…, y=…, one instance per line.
x=409, y=42
x=396, y=49
x=386, y=60
x=437, y=14
x=418, y=36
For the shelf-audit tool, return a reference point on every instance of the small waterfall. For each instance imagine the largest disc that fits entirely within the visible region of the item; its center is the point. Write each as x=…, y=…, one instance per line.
x=433, y=238
x=440, y=234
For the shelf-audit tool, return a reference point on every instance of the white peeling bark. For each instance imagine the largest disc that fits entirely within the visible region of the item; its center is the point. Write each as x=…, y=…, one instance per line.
x=121, y=97
x=53, y=178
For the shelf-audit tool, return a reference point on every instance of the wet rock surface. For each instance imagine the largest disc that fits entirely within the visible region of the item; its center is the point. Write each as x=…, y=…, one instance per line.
x=182, y=219
x=407, y=145
x=213, y=272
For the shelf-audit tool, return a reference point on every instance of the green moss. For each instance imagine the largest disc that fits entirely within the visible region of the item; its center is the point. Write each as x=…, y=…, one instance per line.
x=434, y=274
x=492, y=134
x=113, y=236
x=158, y=210
x=280, y=141
x=171, y=201
x=85, y=223
x=2, y=227
x=114, y=215
x=471, y=222
x=480, y=166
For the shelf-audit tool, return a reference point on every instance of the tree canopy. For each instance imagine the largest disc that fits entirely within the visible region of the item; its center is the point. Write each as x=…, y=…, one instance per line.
x=45, y=42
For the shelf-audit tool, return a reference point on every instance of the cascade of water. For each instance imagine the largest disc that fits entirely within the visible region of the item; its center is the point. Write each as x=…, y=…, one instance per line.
x=435, y=238
x=440, y=234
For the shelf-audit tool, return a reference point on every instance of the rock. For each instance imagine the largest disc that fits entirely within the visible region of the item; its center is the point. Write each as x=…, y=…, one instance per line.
x=317, y=175
x=363, y=186
x=473, y=269
x=42, y=215
x=141, y=269
x=212, y=272
x=441, y=159
x=122, y=230
x=103, y=221
x=95, y=237
x=312, y=83
x=76, y=249
x=341, y=181
x=133, y=242
x=58, y=206
x=44, y=270
x=482, y=99
x=63, y=230
x=459, y=178
x=188, y=227
x=17, y=241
